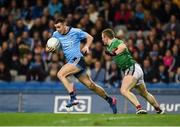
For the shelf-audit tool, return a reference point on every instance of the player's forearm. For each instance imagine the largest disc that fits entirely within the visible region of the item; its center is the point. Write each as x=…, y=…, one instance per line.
x=120, y=49
x=89, y=40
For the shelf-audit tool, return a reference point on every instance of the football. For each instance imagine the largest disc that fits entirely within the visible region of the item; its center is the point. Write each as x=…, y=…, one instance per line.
x=53, y=43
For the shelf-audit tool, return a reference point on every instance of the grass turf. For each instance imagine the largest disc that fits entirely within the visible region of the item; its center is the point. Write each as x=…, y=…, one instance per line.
x=47, y=119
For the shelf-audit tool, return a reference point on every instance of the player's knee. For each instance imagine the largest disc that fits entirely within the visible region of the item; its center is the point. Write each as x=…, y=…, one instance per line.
x=124, y=91
x=60, y=75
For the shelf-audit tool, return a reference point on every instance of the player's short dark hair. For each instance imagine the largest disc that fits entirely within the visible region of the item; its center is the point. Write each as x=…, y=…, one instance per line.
x=60, y=20
x=109, y=32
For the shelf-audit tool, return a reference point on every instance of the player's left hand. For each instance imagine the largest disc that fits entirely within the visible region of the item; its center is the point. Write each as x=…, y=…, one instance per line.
x=85, y=49
x=48, y=49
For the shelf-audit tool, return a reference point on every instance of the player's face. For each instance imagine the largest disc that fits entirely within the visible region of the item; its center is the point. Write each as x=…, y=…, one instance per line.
x=104, y=39
x=60, y=27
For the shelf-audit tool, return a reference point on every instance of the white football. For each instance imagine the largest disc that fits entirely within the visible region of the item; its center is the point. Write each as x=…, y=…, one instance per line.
x=53, y=43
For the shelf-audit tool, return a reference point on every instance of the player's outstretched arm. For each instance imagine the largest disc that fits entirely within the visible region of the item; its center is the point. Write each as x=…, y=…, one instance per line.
x=120, y=48
x=113, y=53
x=116, y=51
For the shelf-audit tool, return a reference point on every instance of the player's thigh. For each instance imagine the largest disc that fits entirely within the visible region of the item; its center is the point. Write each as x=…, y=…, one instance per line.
x=132, y=77
x=138, y=74
x=68, y=69
x=142, y=89
x=128, y=82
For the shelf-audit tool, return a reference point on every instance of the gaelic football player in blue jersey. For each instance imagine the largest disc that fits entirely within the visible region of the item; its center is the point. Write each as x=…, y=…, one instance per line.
x=70, y=39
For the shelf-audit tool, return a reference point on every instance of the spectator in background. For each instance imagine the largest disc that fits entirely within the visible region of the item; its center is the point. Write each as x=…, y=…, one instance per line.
x=148, y=72
x=136, y=57
x=93, y=13
x=28, y=40
x=155, y=50
x=163, y=74
x=15, y=64
x=24, y=66
x=169, y=42
x=4, y=72
x=15, y=11
x=54, y=65
x=5, y=54
x=36, y=69
x=149, y=21
x=3, y=14
x=98, y=73
x=4, y=30
x=93, y=32
x=25, y=10
x=107, y=13
x=37, y=9
x=54, y=6
x=162, y=48
x=68, y=7
x=131, y=46
x=82, y=7
x=122, y=15
x=52, y=75
x=98, y=49
x=176, y=56
x=155, y=61
x=112, y=76
x=168, y=60
x=142, y=52
x=177, y=76
x=37, y=27
x=19, y=28
x=173, y=25
x=139, y=15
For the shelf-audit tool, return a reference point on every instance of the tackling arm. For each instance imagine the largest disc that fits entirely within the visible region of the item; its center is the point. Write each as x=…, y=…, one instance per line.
x=117, y=50
x=120, y=48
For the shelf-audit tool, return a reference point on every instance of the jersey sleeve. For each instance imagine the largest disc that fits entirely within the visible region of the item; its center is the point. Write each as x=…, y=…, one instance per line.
x=54, y=34
x=82, y=34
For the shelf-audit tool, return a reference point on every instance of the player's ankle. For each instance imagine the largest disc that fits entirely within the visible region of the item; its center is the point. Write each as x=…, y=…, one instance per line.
x=108, y=99
x=72, y=95
x=157, y=109
x=138, y=107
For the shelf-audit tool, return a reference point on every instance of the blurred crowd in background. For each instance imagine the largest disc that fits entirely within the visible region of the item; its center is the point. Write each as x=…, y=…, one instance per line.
x=150, y=28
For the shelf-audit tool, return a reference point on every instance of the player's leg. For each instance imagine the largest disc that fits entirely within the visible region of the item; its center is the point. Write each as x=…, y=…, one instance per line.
x=66, y=70
x=86, y=80
x=149, y=97
x=128, y=83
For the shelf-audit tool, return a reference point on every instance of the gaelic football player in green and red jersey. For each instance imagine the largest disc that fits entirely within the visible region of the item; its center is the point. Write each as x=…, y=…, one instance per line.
x=132, y=72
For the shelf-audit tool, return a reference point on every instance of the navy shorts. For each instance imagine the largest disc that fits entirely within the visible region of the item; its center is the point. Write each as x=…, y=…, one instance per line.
x=80, y=63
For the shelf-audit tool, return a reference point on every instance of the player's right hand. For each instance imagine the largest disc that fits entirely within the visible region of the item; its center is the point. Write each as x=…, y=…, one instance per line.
x=49, y=49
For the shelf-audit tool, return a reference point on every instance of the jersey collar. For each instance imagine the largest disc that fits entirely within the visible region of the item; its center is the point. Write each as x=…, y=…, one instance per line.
x=67, y=31
x=112, y=41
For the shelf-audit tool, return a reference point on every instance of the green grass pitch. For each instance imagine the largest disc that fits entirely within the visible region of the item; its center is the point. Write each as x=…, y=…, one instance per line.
x=50, y=119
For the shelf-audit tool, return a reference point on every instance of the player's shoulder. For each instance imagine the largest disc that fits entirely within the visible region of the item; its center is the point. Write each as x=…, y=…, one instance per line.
x=75, y=29
x=55, y=33
x=116, y=40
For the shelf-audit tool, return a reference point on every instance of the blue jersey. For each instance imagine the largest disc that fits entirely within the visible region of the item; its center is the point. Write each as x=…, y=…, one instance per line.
x=70, y=42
